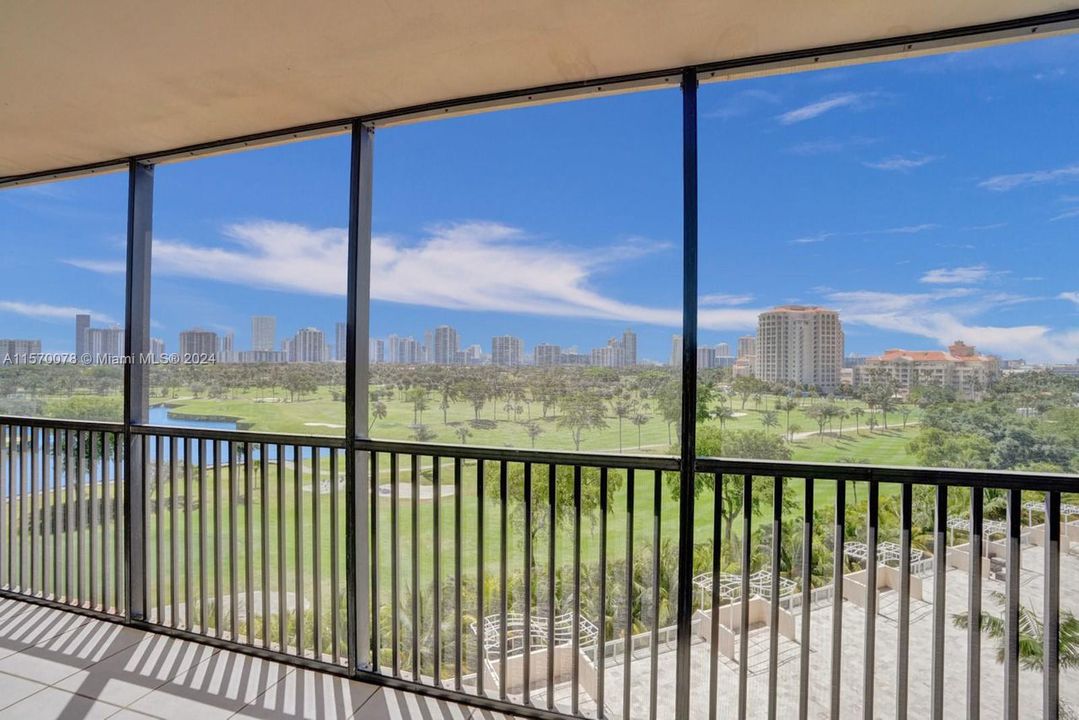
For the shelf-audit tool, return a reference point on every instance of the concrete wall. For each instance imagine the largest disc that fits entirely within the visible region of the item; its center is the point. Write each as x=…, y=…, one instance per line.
x=888, y=578
x=730, y=620
x=563, y=670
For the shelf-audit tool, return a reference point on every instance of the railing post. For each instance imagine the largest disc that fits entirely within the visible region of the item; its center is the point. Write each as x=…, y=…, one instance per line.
x=140, y=210
x=689, y=390
x=357, y=469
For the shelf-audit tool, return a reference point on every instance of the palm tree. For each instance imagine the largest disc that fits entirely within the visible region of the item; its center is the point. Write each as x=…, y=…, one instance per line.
x=534, y=431
x=787, y=406
x=622, y=409
x=1031, y=637
x=872, y=423
x=857, y=413
x=841, y=415
x=793, y=430
x=640, y=419
x=723, y=414
x=770, y=419
x=463, y=432
x=378, y=412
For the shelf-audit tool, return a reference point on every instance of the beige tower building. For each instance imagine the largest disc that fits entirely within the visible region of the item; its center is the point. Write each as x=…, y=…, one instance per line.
x=800, y=345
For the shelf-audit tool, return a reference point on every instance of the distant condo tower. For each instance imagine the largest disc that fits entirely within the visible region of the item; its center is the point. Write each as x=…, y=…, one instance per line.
x=507, y=350
x=447, y=343
x=800, y=345
x=82, y=325
x=263, y=332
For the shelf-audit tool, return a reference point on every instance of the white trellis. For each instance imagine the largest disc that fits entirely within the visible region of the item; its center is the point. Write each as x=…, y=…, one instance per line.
x=990, y=528
x=730, y=585
x=515, y=632
x=1037, y=506
x=888, y=553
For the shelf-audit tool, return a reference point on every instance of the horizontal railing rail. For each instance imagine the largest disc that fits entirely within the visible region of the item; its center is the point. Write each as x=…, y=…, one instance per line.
x=544, y=582
x=952, y=477
x=521, y=455
x=43, y=422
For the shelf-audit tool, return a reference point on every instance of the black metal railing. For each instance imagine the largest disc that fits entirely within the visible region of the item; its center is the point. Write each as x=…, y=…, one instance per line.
x=547, y=582
x=61, y=524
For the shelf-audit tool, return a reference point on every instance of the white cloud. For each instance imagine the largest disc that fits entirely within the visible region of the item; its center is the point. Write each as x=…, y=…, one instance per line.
x=477, y=266
x=956, y=276
x=1074, y=212
x=990, y=226
x=43, y=311
x=826, y=146
x=900, y=230
x=1001, y=183
x=725, y=299
x=901, y=162
x=827, y=104
x=948, y=315
x=118, y=267
x=811, y=239
x=905, y=229
x=742, y=103
x=1072, y=297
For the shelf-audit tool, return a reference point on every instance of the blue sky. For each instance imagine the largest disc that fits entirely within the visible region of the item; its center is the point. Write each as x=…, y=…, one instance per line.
x=928, y=200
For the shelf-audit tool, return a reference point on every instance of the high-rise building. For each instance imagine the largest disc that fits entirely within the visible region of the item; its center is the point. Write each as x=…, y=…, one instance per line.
x=706, y=358
x=428, y=347
x=472, y=355
x=676, y=351
x=723, y=349
x=263, y=332
x=629, y=348
x=18, y=352
x=800, y=345
x=340, y=350
x=507, y=350
x=747, y=346
x=408, y=351
x=82, y=324
x=377, y=350
x=544, y=355
x=226, y=348
x=196, y=345
x=104, y=344
x=446, y=344
x=157, y=348
x=308, y=346
x=610, y=356
x=392, y=353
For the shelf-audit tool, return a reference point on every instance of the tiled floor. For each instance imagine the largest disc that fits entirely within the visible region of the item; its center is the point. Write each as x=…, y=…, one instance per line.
x=56, y=664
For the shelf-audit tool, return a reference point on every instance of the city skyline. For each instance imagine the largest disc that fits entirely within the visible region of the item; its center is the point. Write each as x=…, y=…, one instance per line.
x=790, y=352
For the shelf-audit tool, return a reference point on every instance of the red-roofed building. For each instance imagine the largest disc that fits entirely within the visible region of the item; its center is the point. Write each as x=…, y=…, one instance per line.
x=960, y=368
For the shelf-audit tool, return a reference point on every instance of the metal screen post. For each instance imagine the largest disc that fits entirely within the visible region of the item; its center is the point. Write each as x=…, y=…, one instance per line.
x=140, y=212
x=689, y=390
x=357, y=469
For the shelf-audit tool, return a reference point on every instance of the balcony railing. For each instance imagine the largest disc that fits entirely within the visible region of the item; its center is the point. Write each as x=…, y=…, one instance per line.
x=546, y=583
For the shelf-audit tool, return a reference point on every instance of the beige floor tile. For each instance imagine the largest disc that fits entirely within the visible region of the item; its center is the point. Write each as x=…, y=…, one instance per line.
x=398, y=705
x=216, y=688
x=53, y=660
x=54, y=704
x=138, y=670
x=309, y=694
x=39, y=624
x=13, y=689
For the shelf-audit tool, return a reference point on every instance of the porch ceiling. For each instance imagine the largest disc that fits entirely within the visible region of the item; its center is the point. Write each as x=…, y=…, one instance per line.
x=88, y=82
